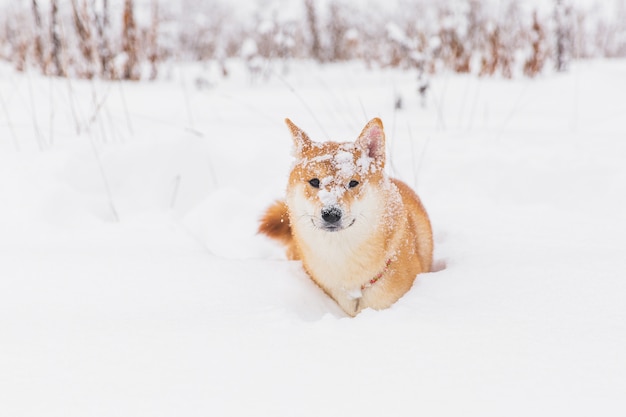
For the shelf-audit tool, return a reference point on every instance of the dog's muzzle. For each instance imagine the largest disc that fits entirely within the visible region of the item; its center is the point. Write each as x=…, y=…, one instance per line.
x=333, y=220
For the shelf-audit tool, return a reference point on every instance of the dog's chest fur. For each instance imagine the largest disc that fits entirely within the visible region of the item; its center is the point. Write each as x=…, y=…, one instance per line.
x=342, y=262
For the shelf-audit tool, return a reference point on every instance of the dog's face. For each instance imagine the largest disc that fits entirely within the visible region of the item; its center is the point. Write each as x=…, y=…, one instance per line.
x=330, y=186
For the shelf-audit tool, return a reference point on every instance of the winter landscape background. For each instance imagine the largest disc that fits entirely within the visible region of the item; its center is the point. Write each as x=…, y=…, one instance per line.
x=132, y=280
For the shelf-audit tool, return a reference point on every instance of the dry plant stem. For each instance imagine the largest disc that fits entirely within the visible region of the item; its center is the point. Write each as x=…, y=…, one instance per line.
x=33, y=112
x=16, y=143
x=126, y=112
x=70, y=92
x=105, y=180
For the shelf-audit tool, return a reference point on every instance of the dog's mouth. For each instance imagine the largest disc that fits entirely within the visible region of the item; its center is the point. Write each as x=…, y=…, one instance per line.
x=332, y=227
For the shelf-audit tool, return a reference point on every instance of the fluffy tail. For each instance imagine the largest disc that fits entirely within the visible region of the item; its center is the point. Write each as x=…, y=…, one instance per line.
x=275, y=224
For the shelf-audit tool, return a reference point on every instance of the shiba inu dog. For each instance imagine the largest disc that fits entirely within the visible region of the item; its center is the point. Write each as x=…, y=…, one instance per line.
x=361, y=235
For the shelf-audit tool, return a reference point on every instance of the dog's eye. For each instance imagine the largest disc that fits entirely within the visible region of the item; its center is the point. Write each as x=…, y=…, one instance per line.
x=353, y=183
x=315, y=183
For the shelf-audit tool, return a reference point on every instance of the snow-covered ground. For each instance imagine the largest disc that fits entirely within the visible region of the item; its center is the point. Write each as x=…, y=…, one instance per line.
x=132, y=282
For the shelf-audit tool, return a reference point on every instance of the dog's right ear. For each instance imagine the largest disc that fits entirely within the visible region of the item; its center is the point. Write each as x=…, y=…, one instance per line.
x=301, y=141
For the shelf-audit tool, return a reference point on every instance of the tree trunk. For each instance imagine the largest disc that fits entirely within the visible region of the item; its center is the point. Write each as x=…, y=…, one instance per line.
x=129, y=43
x=83, y=29
x=39, y=54
x=56, y=40
x=104, y=50
x=316, y=46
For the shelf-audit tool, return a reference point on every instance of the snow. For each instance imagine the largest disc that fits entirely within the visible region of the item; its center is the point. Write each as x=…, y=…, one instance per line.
x=329, y=197
x=344, y=163
x=180, y=309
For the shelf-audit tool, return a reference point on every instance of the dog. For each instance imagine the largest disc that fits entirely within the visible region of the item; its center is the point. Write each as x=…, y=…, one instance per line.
x=362, y=236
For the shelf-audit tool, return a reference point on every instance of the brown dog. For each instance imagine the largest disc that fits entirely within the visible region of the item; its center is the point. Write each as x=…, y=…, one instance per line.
x=362, y=236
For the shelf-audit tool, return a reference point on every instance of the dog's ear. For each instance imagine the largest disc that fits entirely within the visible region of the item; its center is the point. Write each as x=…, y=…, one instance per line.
x=372, y=140
x=301, y=141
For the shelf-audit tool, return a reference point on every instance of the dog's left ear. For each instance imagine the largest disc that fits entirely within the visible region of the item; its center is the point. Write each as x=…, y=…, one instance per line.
x=372, y=140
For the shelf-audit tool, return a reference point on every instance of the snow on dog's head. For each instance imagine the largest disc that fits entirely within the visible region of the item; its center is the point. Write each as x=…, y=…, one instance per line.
x=329, y=181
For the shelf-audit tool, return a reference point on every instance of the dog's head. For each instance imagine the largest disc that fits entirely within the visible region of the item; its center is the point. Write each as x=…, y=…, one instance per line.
x=330, y=185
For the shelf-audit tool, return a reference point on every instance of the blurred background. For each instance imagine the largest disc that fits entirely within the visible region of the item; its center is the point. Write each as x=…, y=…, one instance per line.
x=137, y=39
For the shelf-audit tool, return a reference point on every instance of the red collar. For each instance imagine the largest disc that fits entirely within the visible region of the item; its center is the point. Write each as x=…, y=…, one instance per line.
x=377, y=277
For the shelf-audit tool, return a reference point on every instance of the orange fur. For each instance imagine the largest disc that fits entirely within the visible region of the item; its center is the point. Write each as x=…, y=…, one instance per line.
x=275, y=224
x=349, y=222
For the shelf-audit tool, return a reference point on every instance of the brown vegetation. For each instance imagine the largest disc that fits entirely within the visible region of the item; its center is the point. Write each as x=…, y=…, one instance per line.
x=91, y=38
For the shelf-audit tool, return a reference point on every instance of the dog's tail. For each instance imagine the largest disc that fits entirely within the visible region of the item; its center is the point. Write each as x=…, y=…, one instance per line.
x=275, y=224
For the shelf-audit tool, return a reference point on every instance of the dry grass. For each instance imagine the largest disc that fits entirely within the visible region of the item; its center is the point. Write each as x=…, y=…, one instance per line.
x=90, y=38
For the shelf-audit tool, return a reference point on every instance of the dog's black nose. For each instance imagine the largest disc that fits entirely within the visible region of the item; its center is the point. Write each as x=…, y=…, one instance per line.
x=331, y=215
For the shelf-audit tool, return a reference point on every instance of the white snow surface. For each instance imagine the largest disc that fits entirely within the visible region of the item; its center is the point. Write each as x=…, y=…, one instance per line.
x=180, y=309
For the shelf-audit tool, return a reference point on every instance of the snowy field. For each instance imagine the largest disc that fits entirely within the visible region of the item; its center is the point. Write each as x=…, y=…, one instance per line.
x=132, y=281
